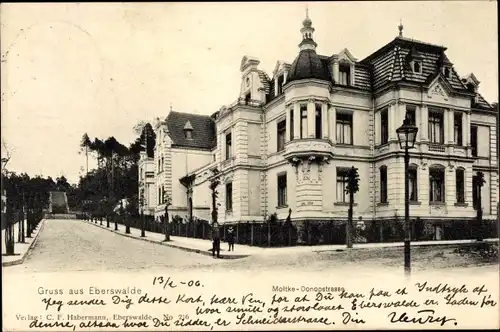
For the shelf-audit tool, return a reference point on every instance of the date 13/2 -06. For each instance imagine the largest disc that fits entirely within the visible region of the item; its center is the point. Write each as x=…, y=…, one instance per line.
x=169, y=282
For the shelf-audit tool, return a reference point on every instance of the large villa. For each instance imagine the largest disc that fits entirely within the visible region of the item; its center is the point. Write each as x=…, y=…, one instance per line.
x=290, y=136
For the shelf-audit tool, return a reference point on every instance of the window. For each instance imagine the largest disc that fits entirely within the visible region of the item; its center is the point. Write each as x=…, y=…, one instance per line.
x=162, y=163
x=410, y=114
x=282, y=190
x=159, y=196
x=436, y=177
x=457, y=129
x=417, y=67
x=460, y=185
x=159, y=160
x=475, y=192
x=247, y=98
x=279, y=88
x=292, y=125
x=189, y=134
x=229, y=196
x=281, y=128
x=436, y=130
x=344, y=74
x=303, y=121
x=383, y=184
x=319, y=122
x=344, y=128
x=228, y=146
x=384, y=126
x=473, y=140
x=447, y=72
x=413, y=184
x=342, y=180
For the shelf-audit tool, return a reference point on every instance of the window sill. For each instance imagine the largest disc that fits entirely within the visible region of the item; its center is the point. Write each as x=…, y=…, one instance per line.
x=415, y=203
x=344, y=204
x=462, y=204
x=437, y=203
x=282, y=207
x=344, y=145
x=383, y=204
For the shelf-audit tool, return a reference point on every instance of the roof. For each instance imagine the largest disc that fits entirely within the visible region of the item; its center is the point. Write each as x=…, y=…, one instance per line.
x=204, y=132
x=481, y=103
x=308, y=65
x=392, y=63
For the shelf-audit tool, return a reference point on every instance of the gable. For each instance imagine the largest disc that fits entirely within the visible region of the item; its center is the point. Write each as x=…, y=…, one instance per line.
x=439, y=90
x=346, y=56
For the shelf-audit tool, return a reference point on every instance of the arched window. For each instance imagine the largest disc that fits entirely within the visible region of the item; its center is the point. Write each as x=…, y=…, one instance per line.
x=383, y=184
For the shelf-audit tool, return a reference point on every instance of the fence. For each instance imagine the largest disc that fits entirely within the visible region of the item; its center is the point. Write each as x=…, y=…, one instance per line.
x=309, y=232
x=16, y=218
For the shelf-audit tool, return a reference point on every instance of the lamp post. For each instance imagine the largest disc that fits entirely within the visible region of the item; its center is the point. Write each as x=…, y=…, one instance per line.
x=406, y=136
x=141, y=203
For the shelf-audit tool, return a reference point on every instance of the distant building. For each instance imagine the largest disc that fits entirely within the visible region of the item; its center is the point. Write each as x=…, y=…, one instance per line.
x=288, y=139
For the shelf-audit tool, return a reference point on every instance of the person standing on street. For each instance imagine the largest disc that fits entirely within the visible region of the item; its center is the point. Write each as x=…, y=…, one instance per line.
x=215, y=239
x=230, y=238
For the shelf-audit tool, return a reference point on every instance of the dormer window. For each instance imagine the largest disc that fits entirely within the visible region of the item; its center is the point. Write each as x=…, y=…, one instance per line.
x=281, y=80
x=344, y=74
x=247, y=98
x=188, y=130
x=417, y=67
x=447, y=72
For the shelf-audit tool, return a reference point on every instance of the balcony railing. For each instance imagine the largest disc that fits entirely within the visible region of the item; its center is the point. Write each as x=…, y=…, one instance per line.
x=308, y=147
x=436, y=147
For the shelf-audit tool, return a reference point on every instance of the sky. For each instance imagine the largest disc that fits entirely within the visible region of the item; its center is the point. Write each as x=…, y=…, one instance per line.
x=98, y=68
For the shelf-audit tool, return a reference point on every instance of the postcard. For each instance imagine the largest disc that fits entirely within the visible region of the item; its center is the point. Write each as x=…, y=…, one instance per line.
x=249, y=166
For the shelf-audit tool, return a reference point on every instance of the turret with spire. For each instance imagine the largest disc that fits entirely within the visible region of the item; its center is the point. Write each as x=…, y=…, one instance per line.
x=308, y=64
x=307, y=34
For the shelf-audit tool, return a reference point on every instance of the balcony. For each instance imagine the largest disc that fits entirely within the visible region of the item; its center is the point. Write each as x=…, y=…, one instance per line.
x=436, y=147
x=308, y=147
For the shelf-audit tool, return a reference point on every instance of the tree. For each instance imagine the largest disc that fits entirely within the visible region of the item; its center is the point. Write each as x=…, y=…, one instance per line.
x=147, y=138
x=168, y=201
x=351, y=189
x=84, y=145
x=479, y=182
x=214, y=183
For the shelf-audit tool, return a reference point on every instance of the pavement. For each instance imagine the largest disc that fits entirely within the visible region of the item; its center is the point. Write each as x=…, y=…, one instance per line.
x=21, y=249
x=74, y=246
x=203, y=246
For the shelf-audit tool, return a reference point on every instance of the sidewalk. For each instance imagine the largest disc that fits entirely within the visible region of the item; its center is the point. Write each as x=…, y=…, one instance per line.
x=204, y=246
x=21, y=250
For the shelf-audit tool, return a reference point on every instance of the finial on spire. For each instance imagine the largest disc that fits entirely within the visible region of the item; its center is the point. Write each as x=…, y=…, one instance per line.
x=170, y=106
x=307, y=11
x=400, y=27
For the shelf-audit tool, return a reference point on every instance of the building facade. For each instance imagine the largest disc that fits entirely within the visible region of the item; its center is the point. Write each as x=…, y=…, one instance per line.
x=288, y=140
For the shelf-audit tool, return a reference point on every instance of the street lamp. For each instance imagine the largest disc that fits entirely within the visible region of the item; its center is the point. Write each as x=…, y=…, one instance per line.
x=406, y=136
x=141, y=203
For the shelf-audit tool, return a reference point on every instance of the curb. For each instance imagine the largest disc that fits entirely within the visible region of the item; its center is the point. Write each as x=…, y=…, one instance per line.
x=198, y=251
x=32, y=244
x=413, y=246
